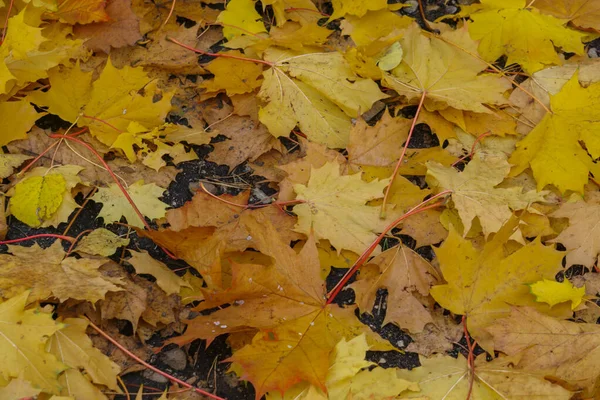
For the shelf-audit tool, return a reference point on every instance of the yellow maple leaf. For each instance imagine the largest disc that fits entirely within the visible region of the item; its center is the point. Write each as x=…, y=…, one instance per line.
x=240, y=18
x=483, y=283
x=16, y=128
x=109, y=104
x=74, y=348
x=18, y=389
x=29, y=51
x=373, y=26
x=531, y=337
x=355, y=7
x=553, y=150
x=232, y=76
x=445, y=377
x=46, y=272
x=335, y=208
x=474, y=191
x=552, y=292
x=319, y=92
x=527, y=37
x=448, y=75
x=116, y=205
x=24, y=334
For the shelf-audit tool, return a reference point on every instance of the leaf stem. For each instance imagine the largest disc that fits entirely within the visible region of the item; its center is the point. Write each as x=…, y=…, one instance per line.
x=41, y=235
x=150, y=367
x=399, y=163
x=225, y=55
x=484, y=134
x=367, y=253
x=5, y=28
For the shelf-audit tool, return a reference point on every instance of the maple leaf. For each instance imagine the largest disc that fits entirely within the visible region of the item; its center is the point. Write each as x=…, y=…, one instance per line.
x=119, y=30
x=24, y=334
x=74, y=348
x=355, y=7
x=565, y=350
x=109, y=104
x=373, y=26
x=44, y=198
x=100, y=242
x=581, y=13
x=553, y=150
x=232, y=76
x=483, y=283
x=18, y=389
x=334, y=208
x=27, y=53
x=116, y=205
x=403, y=273
x=474, y=191
x=8, y=162
x=193, y=236
x=449, y=76
x=445, y=377
x=552, y=292
x=523, y=34
x=47, y=272
x=319, y=92
x=240, y=18
x=349, y=378
x=81, y=12
x=581, y=236
x=16, y=128
x=284, y=299
x=165, y=278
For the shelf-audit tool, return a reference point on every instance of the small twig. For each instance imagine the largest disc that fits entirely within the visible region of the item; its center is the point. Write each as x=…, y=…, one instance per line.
x=168, y=16
x=422, y=12
x=472, y=147
x=399, y=163
x=5, y=30
x=145, y=364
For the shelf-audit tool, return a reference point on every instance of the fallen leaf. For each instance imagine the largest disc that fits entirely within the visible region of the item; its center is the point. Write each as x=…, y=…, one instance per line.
x=24, y=336
x=74, y=348
x=553, y=150
x=232, y=76
x=81, y=12
x=526, y=36
x=120, y=29
x=483, y=283
x=100, y=242
x=240, y=18
x=165, y=278
x=355, y=7
x=403, y=273
x=552, y=292
x=446, y=74
x=581, y=236
x=47, y=272
x=115, y=204
x=581, y=13
x=8, y=162
x=443, y=376
x=532, y=336
x=334, y=208
x=16, y=128
x=474, y=191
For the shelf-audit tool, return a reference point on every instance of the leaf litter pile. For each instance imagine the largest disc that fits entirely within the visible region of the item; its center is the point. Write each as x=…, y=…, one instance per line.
x=296, y=199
